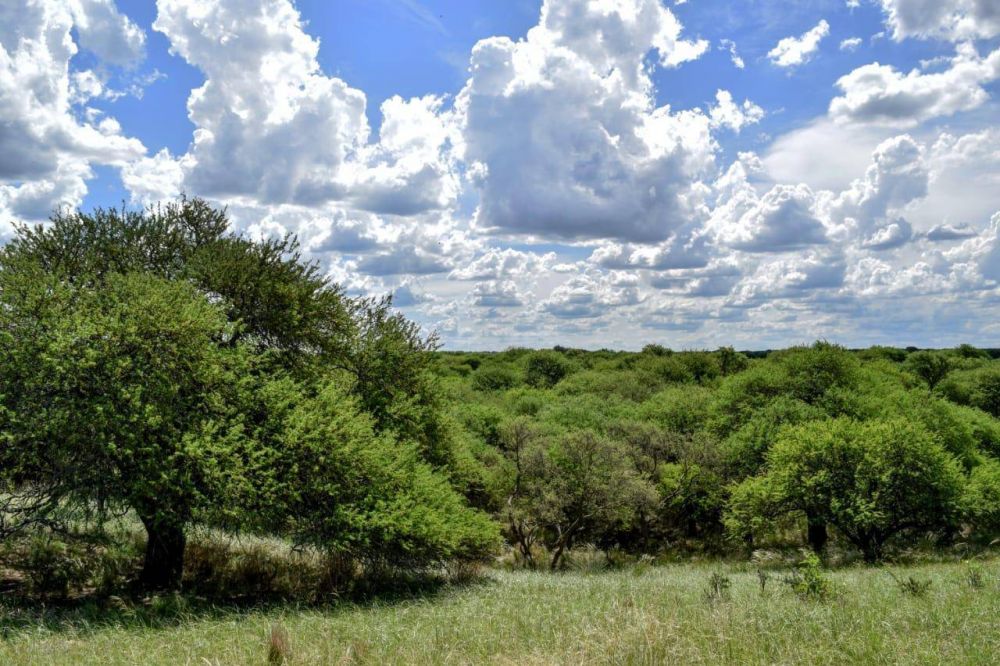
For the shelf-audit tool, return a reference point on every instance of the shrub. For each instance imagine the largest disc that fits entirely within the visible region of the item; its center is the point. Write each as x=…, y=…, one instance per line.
x=656, y=350
x=544, y=369
x=718, y=588
x=346, y=489
x=494, y=378
x=731, y=361
x=985, y=429
x=808, y=580
x=893, y=354
x=702, y=366
x=979, y=387
x=52, y=566
x=931, y=366
x=483, y=421
x=670, y=369
x=915, y=587
x=680, y=409
x=813, y=371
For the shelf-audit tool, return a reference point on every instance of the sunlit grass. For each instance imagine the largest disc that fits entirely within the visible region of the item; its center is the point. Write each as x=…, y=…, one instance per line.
x=652, y=615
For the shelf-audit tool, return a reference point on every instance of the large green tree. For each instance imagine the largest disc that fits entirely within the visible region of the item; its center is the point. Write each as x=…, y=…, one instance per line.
x=141, y=356
x=872, y=480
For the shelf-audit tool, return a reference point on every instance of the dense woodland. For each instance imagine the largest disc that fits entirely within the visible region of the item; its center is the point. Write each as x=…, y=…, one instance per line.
x=716, y=452
x=157, y=368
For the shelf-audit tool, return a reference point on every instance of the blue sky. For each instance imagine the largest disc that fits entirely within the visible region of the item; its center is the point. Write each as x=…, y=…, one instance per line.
x=701, y=173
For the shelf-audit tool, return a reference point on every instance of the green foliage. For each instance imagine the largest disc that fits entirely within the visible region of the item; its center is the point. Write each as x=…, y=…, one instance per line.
x=677, y=409
x=979, y=387
x=741, y=396
x=952, y=426
x=154, y=363
x=966, y=350
x=705, y=447
x=746, y=449
x=52, y=565
x=702, y=366
x=731, y=361
x=631, y=385
x=930, y=366
x=669, y=369
x=718, y=587
x=565, y=487
x=892, y=354
x=545, y=369
x=494, y=378
x=982, y=497
x=58, y=566
x=814, y=371
x=347, y=489
x=985, y=429
x=122, y=396
x=872, y=480
x=656, y=350
x=808, y=580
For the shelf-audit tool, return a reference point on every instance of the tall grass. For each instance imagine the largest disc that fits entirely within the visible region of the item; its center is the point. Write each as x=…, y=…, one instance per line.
x=649, y=615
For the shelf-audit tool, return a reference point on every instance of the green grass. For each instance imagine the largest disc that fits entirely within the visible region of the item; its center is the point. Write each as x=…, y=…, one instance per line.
x=655, y=615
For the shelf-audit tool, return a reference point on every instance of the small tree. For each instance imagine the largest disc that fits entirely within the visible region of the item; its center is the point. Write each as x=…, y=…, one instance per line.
x=582, y=484
x=544, y=369
x=930, y=366
x=517, y=440
x=872, y=480
x=731, y=361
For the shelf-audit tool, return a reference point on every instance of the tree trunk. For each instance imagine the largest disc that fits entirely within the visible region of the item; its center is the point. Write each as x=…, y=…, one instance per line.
x=164, y=563
x=557, y=556
x=817, y=535
x=872, y=551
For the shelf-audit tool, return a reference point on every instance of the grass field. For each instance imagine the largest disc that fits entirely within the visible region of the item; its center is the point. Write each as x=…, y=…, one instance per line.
x=651, y=615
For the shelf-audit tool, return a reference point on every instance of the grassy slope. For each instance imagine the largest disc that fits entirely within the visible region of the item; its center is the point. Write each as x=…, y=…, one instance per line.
x=658, y=616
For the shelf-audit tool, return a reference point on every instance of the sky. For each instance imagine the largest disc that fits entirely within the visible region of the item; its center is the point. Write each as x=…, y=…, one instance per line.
x=590, y=173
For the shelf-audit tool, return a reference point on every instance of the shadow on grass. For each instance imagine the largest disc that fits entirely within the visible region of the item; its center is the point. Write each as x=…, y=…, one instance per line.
x=86, y=614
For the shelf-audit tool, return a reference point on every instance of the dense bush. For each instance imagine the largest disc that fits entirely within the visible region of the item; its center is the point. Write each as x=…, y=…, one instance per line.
x=334, y=483
x=699, y=434
x=544, y=369
x=494, y=378
x=978, y=388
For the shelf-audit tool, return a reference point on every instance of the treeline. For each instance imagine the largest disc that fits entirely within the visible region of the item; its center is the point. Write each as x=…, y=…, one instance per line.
x=715, y=452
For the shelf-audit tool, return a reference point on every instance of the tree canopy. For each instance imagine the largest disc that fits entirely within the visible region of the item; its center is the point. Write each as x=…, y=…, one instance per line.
x=154, y=362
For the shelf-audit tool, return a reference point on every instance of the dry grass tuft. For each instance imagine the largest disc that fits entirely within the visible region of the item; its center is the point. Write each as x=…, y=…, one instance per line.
x=279, y=648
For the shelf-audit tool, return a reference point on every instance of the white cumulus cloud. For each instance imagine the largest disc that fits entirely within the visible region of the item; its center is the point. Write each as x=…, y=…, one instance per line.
x=943, y=19
x=49, y=139
x=794, y=51
x=563, y=133
x=881, y=94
